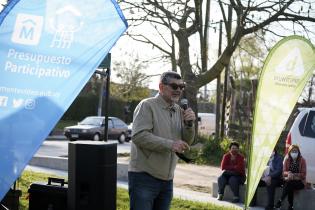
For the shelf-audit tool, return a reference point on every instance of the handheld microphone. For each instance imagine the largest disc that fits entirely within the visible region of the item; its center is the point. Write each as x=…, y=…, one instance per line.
x=184, y=158
x=184, y=105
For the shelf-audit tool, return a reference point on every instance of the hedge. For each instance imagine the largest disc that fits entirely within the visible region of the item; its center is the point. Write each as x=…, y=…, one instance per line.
x=87, y=105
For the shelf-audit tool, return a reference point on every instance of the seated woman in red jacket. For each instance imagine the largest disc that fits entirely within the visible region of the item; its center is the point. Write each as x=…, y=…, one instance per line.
x=233, y=167
x=294, y=174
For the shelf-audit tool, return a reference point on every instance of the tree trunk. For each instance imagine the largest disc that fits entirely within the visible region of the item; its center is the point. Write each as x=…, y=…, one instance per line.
x=191, y=89
x=191, y=94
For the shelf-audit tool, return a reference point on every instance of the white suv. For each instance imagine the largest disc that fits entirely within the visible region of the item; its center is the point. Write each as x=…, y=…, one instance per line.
x=302, y=133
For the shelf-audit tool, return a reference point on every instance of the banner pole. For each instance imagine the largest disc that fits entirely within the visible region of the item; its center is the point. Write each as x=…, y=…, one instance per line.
x=249, y=141
x=107, y=103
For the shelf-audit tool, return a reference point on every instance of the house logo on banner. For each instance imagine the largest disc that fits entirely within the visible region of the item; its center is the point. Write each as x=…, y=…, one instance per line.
x=27, y=29
x=66, y=21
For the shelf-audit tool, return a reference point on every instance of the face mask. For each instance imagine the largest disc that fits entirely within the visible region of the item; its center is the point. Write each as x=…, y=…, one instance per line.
x=294, y=155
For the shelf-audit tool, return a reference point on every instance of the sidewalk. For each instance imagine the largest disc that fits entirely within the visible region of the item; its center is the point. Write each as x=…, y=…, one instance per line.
x=59, y=137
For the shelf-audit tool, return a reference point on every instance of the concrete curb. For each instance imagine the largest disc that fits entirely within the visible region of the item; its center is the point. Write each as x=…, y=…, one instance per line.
x=61, y=163
x=58, y=163
x=57, y=137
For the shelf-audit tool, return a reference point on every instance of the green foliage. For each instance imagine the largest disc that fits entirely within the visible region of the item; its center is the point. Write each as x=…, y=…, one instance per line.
x=127, y=93
x=92, y=87
x=244, y=84
x=213, y=149
x=131, y=90
x=87, y=105
x=29, y=177
x=212, y=152
x=133, y=83
x=247, y=60
x=81, y=107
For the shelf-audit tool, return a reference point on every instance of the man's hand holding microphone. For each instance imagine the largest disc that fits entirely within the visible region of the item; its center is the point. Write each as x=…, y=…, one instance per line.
x=189, y=117
x=188, y=114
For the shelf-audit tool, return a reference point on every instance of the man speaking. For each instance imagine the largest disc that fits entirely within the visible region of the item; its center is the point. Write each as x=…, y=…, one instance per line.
x=161, y=128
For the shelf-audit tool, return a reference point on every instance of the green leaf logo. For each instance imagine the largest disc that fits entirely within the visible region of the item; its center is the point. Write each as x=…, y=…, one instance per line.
x=292, y=64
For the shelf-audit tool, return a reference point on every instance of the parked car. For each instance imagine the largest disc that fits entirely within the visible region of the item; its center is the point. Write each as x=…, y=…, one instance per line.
x=92, y=128
x=129, y=132
x=206, y=124
x=302, y=133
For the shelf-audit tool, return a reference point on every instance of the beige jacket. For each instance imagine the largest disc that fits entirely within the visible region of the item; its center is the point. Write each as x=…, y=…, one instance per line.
x=155, y=126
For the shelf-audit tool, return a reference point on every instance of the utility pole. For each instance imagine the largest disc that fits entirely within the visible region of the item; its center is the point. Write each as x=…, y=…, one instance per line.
x=206, y=44
x=218, y=98
x=105, y=64
x=226, y=76
x=106, y=103
x=100, y=97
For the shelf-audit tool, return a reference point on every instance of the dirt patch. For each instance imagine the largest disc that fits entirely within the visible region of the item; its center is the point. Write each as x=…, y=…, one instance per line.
x=204, y=189
x=196, y=177
x=193, y=177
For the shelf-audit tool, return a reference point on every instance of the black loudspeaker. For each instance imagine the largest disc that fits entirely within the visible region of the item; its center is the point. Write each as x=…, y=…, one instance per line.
x=11, y=200
x=92, y=175
x=51, y=196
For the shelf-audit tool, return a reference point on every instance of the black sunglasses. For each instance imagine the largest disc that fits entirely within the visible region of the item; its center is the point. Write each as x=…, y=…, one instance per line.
x=175, y=86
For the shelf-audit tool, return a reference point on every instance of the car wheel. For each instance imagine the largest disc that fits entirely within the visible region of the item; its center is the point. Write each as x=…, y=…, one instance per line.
x=122, y=138
x=96, y=137
x=72, y=139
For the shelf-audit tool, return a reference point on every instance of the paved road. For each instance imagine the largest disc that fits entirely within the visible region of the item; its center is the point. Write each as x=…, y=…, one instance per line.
x=186, y=176
x=59, y=148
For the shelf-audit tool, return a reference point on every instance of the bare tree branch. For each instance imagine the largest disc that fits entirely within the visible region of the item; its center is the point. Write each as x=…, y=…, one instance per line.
x=148, y=41
x=187, y=18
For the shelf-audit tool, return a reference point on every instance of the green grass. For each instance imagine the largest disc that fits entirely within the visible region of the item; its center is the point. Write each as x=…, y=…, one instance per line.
x=29, y=177
x=178, y=204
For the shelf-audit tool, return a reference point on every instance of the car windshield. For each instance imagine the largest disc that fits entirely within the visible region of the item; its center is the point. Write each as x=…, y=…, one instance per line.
x=91, y=121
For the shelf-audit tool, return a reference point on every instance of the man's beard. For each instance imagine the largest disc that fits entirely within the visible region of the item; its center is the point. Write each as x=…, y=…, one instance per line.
x=175, y=99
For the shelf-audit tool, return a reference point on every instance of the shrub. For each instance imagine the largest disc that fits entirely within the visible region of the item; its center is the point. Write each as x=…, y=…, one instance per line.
x=213, y=149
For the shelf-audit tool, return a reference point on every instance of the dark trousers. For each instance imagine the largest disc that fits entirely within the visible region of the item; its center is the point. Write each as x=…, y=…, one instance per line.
x=149, y=193
x=288, y=189
x=233, y=180
x=271, y=189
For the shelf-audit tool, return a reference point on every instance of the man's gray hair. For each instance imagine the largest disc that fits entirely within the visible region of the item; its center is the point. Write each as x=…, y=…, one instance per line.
x=166, y=76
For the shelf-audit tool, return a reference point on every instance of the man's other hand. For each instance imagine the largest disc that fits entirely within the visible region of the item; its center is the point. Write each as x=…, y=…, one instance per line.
x=180, y=146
